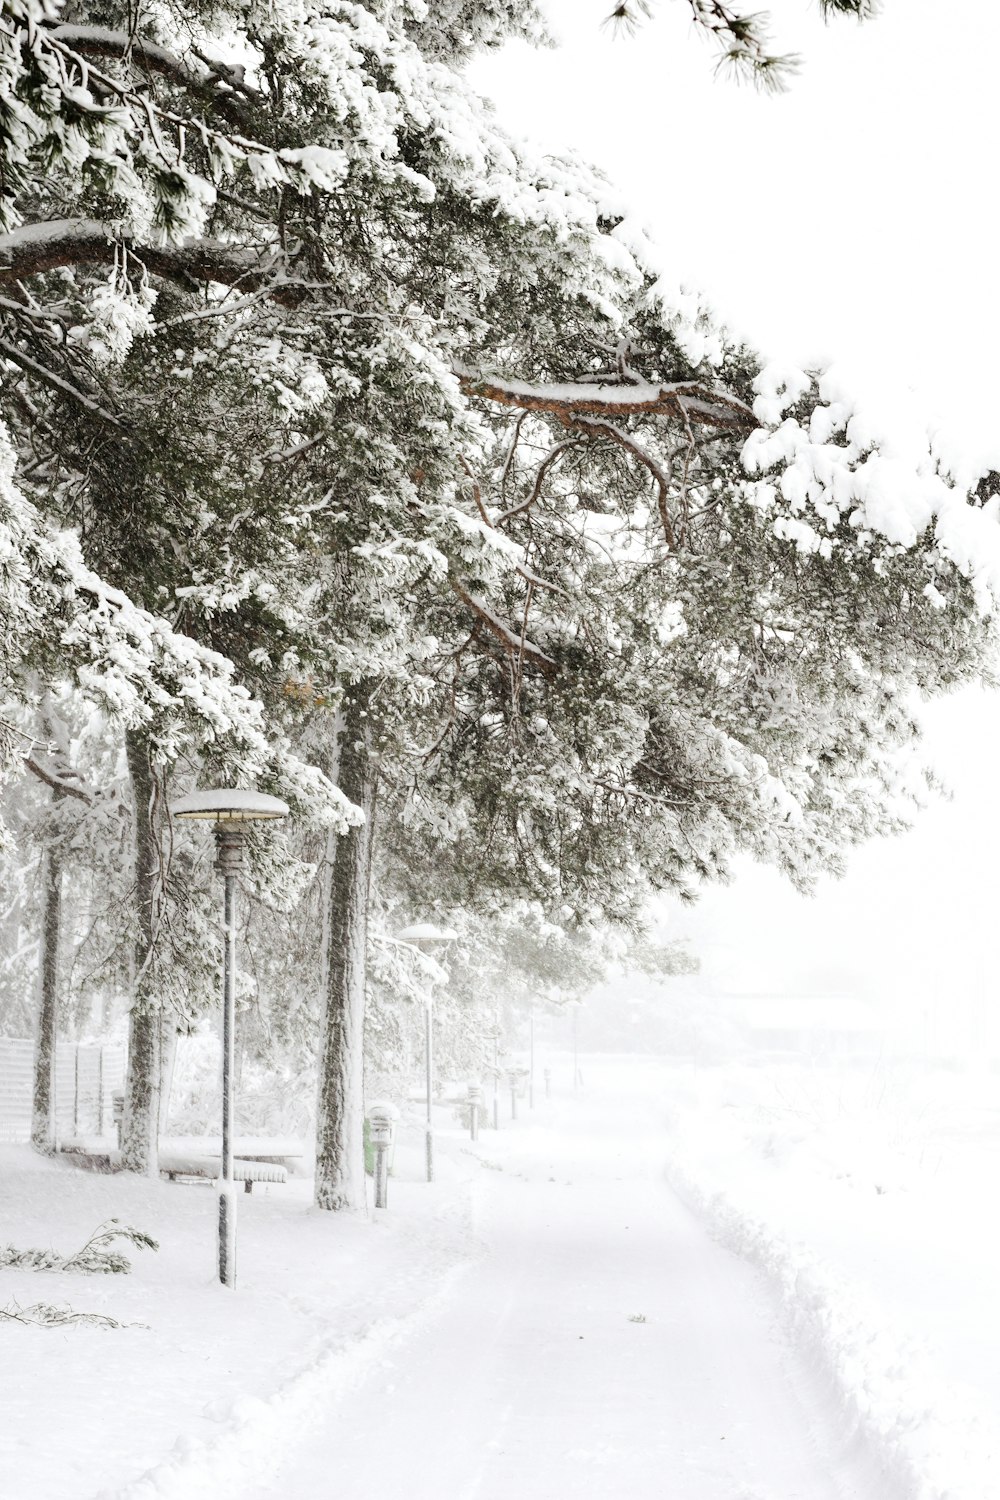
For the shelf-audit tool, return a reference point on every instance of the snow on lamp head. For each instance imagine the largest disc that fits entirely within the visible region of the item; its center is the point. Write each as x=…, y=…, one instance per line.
x=228, y=808
x=426, y=935
x=229, y=805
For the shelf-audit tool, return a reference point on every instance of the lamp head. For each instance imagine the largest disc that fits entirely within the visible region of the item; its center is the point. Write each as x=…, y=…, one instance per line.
x=228, y=805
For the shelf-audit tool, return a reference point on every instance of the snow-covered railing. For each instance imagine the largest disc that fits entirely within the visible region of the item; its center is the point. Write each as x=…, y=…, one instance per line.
x=87, y=1076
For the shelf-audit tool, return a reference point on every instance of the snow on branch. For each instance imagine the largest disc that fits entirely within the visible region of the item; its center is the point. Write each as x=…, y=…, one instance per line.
x=102, y=41
x=34, y=248
x=515, y=644
x=58, y=779
x=686, y=400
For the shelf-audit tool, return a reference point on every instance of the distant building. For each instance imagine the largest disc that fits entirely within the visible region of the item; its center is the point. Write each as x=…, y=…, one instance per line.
x=807, y=1025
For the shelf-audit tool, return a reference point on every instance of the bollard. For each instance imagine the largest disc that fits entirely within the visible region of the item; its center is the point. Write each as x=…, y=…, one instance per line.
x=475, y=1103
x=512, y=1081
x=380, y=1134
x=547, y=1075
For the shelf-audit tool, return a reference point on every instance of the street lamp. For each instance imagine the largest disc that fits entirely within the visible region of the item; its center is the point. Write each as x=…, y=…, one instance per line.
x=228, y=808
x=531, y=1057
x=425, y=936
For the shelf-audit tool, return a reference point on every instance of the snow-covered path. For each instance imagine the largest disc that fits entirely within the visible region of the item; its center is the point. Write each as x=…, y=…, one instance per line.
x=602, y=1346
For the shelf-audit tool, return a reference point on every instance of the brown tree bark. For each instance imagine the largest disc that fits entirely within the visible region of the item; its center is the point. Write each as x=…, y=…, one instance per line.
x=340, y=1174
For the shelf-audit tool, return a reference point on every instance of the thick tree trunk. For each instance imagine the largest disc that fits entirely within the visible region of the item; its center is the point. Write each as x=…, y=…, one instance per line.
x=43, y=1110
x=340, y=1172
x=141, y=1118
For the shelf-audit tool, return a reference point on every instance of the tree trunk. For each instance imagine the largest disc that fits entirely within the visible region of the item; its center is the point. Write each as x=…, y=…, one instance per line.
x=169, y=1038
x=141, y=1117
x=340, y=1170
x=43, y=1110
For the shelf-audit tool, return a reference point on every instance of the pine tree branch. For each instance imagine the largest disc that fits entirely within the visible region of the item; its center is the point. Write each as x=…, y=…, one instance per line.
x=660, y=477
x=51, y=244
x=57, y=780
x=57, y=383
x=742, y=38
x=101, y=41
x=513, y=642
x=687, y=400
x=540, y=473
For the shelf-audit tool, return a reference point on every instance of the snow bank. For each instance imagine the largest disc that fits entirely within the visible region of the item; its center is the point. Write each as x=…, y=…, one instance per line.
x=932, y=1438
x=258, y=1433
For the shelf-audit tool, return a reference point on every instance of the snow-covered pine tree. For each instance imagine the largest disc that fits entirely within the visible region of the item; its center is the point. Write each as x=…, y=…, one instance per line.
x=592, y=598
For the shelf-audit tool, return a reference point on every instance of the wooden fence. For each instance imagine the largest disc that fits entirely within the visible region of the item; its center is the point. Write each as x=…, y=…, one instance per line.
x=87, y=1076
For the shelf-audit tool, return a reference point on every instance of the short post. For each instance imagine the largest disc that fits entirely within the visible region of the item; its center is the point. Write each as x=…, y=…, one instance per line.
x=475, y=1102
x=380, y=1135
x=512, y=1082
x=547, y=1075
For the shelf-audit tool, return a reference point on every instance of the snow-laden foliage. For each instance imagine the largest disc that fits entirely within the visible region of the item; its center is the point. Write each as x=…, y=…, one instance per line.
x=415, y=430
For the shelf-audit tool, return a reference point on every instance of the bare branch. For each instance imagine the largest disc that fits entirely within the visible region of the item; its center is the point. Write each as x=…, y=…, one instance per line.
x=627, y=441
x=536, y=489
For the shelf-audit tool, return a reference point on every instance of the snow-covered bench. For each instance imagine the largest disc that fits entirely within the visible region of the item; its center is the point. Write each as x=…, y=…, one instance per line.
x=247, y=1172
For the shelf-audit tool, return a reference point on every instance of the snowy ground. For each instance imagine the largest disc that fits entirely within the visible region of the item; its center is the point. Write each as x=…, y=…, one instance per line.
x=560, y=1312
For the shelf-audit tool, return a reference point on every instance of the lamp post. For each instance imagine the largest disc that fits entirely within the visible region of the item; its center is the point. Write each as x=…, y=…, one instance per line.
x=425, y=936
x=475, y=1104
x=531, y=1058
x=228, y=808
x=496, y=1069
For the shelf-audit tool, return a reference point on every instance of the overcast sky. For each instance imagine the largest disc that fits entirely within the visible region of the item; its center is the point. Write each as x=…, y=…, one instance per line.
x=849, y=220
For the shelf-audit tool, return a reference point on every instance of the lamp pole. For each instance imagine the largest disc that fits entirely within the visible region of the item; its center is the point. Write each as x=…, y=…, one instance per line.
x=425, y=936
x=429, y=1068
x=531, y=1058
x=496, y=1069
x=228, y=808
x=229, y=862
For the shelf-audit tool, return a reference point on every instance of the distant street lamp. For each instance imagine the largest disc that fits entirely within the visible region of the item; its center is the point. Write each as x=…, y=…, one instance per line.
x=426, y=937
x=512, y=1082
x=475, y=1105
x=496, y=1068
x=531, y=1058
x=228, y=808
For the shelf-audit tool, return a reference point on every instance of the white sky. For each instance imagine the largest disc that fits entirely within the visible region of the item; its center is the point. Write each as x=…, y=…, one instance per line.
x=849, y=220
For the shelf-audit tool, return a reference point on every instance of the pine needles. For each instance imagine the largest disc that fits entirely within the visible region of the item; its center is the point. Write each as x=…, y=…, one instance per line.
x=742, y=37
x=93, y=1258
